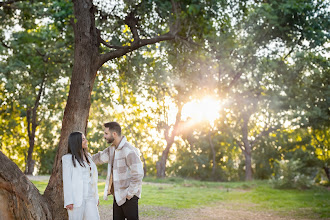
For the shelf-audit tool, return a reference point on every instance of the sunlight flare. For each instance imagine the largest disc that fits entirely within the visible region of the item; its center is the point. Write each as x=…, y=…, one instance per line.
x=206, y=109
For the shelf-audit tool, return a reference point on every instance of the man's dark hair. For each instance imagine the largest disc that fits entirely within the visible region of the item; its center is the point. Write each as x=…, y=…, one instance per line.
x=113, y=126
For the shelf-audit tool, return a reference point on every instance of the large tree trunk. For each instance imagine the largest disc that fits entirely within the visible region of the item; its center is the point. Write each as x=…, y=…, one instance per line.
x=20, y=199
x=79, y=99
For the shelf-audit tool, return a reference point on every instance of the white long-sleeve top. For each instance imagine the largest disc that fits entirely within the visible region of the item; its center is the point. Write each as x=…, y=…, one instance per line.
x=73, y=181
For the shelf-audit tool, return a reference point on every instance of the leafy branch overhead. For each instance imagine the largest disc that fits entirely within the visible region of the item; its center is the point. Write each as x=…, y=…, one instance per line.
x=132, y=21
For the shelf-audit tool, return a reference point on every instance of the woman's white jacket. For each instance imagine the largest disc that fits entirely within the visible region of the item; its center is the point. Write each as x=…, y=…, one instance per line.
x=73, y=181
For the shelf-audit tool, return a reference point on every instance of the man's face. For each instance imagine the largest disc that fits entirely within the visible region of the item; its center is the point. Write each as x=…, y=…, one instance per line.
x=108, y=135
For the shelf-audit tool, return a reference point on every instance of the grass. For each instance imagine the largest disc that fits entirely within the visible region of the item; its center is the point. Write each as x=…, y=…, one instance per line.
x=178, y=193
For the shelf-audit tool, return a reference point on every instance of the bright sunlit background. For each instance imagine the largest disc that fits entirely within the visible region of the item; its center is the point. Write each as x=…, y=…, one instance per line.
x=205, y=109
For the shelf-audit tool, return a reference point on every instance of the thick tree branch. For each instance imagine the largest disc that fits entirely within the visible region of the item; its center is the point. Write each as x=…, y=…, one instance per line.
x=111, y=46
x=132, y=23
x=120, y=52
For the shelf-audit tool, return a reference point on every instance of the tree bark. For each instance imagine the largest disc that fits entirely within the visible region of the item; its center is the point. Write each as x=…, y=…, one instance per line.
x=79, y=99
x=20, y=199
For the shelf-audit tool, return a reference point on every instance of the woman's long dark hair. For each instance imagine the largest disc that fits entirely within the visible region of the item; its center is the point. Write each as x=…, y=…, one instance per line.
x=75, y=148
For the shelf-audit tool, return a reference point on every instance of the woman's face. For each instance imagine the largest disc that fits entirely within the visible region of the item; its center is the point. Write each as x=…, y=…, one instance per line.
x=84, y=142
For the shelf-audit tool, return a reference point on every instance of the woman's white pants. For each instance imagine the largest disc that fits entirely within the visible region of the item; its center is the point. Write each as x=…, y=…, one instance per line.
x=87, y=211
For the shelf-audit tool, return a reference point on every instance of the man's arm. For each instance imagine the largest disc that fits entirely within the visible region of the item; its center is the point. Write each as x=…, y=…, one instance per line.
x=135, y=165
x=102, y=156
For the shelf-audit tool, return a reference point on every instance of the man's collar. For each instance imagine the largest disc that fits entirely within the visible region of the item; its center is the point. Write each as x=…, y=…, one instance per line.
x=121, y=143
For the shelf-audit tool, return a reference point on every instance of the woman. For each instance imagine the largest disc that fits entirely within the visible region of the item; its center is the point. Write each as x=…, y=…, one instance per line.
x=80, y=180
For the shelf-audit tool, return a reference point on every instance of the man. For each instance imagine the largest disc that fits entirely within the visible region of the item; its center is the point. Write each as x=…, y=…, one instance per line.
x=125, y=173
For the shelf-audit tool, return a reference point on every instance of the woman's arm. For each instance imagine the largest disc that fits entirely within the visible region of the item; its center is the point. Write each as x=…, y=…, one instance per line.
x=67, y=168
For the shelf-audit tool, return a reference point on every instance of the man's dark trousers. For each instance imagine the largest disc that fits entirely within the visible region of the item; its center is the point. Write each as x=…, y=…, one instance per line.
x=129, y=210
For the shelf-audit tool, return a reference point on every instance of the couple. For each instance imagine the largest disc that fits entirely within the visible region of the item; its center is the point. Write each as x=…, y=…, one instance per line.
x=124, y=176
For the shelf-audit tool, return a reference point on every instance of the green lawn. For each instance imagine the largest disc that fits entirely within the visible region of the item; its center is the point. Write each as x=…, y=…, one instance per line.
x=177, y=193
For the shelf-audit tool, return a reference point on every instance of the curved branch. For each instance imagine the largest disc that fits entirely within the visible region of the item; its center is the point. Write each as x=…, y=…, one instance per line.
x=132, y=23
x=111, y=46
x=120, y=52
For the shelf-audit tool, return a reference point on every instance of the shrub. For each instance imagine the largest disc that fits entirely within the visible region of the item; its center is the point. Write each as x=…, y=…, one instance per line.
x=289, y=176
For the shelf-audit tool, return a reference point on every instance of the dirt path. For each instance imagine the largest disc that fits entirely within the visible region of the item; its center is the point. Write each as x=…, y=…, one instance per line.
x=219, y=212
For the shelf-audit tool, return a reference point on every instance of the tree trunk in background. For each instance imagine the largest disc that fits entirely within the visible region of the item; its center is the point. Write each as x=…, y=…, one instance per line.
x=31, y=128
x=144, y=165
x=247, y=147
x=213, y=155
x=161, y=165
x=169, y=137
x=327, y=172
x=31, y=117
x=248, y=166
